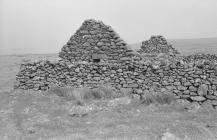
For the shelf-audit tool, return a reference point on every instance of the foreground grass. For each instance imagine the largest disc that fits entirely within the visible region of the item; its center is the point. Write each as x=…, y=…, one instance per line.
x=31, y=115
x=161, y=98
x=81, y=95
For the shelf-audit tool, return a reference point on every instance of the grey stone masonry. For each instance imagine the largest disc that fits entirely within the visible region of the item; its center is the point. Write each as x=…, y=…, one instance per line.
x=131, y=74
x=95, y=41
x=157, y=44
x=96, y=55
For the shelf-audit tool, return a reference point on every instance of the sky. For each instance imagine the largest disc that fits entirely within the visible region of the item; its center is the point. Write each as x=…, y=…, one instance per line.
x=44, y=26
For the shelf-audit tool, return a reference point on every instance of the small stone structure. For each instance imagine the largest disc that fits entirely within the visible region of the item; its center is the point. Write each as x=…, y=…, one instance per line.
x=157, y=44
x=120, y=67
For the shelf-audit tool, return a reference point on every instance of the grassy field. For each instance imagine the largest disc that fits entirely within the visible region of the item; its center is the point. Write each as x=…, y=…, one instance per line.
x=28, y=115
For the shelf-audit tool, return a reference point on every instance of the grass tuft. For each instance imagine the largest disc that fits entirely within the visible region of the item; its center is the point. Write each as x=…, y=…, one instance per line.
x=108, y=91
x=60, y=91
x=158, y=98
x=82, y=94
x=93, y=94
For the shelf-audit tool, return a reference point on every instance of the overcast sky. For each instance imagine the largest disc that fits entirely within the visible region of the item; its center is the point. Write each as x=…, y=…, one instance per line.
x=44, y=26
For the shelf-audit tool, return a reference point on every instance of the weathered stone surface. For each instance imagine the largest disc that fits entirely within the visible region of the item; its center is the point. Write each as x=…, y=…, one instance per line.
x=198, y=72
x=214, y=87
x=100, y=44
x=177, y=83
x=182, y=88
x=197, y=80
x=198, y=98
x=157, y=44
x=165, y=83
x=185, y=96
x=170, y=87
x=202, y=90
x=139, y=91
x=186, y=84
x=132, y=85
x=193, y=93
x=214, y=102
x=192, y=88
x=211, y=97
x=214, y=82
x=186, y=92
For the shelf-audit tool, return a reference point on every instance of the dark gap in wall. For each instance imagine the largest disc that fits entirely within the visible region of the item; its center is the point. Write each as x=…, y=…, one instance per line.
x=96, y=60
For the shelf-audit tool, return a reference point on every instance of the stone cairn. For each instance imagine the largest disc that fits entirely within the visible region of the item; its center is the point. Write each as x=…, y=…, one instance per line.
x=112, y=62
x=157, y=44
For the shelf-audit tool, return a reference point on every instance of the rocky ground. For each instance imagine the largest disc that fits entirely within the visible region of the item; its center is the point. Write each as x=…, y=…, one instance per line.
x=28, y=115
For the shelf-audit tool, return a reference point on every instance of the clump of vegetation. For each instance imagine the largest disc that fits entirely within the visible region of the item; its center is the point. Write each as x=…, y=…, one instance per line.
x=154, y=97
x=108, y=90
x=125, y=92
x=81, y=94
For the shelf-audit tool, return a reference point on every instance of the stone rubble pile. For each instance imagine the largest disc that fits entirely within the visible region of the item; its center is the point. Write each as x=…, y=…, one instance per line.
x=157, y=44
x=196, y=82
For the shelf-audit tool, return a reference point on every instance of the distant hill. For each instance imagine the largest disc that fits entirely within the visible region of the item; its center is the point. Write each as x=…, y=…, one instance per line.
x=189, y=46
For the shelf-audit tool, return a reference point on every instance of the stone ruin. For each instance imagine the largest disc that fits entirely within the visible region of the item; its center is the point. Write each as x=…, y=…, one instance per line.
x=96, y=55
x=94, y=42
x=158, y=51
x=157, y=44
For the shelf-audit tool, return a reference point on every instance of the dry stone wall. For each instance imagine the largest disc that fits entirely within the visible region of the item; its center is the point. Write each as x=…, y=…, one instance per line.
x=187, y=81
x=200, y=57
